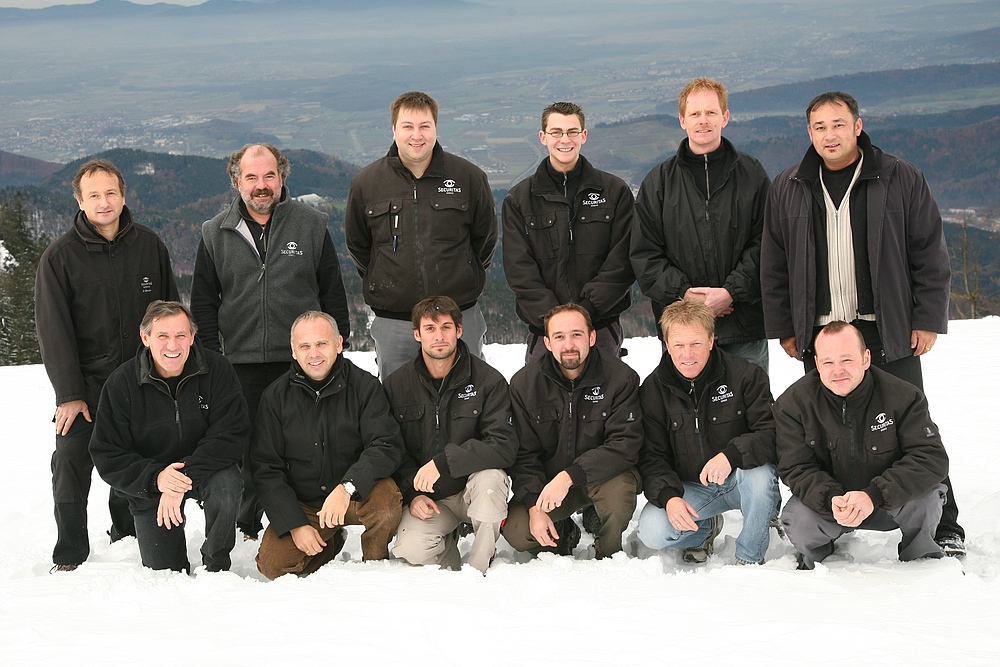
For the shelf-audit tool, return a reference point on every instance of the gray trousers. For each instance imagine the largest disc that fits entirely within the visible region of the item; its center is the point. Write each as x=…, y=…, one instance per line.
x=813, y=534
x=395, y=345
x=432, y=541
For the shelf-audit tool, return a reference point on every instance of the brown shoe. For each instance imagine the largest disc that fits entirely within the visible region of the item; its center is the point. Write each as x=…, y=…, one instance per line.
x=64, y=567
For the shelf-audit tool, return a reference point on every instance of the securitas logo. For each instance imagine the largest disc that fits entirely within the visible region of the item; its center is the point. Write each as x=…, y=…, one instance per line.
x=596, y=394
x=468, y=392
x=449, y=187
x=146, y=286
x=594, y=199
x=291, y=248
x=722, y=394
x=201, y=403
x=882, y=422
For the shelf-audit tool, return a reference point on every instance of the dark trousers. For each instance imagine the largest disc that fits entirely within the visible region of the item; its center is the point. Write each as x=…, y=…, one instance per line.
x=614, y=500
x=813, y=534
x=909, y=369
x=254, y=379
x=166, y=549
x=72, y=470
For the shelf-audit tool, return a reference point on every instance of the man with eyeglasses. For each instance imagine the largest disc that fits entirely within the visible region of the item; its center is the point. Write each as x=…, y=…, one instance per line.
x=698, y=223
x=566, y=236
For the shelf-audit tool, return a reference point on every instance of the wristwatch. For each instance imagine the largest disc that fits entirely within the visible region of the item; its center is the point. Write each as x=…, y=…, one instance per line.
x=350, y=488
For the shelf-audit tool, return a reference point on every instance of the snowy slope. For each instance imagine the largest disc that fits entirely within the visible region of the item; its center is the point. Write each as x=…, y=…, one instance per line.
x=860, y=607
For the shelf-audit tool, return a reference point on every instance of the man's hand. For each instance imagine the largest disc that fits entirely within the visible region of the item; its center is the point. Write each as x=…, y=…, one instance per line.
x=423, y=508
x=852, y=508
x=172, y=480
x=168, y=513
x=680, y=514
x=554, y=492
x=790, y=347
x=425, y=477
x=716, y=471
x=66, y=414
x=334, y=508
x=541, y=527
x=922, y=341
x=717, y=298
x=307, y=540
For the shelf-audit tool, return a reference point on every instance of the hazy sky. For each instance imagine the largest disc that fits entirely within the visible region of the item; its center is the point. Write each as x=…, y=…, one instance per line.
x=36, y=4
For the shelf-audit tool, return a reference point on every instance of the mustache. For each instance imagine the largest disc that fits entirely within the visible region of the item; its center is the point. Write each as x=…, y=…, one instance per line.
x=262, y=191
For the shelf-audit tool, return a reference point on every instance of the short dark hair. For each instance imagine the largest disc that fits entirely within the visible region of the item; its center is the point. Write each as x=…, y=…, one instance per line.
x=91, y=166
x=687, y=312
x=698, y=85
x=834, y=97
x=434, y=307
x=159, y=308
x=564, y=109
x=413, y=100
x=284, y=168
x=568, y=308
x=312, y=315
x=836, y=327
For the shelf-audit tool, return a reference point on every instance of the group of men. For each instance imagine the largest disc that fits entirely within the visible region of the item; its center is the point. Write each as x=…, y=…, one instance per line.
x=842, y=258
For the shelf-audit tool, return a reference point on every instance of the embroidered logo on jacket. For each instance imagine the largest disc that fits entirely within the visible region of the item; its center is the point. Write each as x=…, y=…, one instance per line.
x=596, y=394
x=449, y=187
x=723, y=394
x=882, y=422
x=201, y=402
x=593, y=199
x=146, y=286
x=291, y=248
x=468, y=392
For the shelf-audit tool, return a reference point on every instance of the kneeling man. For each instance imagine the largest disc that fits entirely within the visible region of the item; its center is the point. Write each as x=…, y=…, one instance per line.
x=579, y=429
x=323, y=449
x=709, y=442
x=858, y=449
x=454, y=411
x=172, y=424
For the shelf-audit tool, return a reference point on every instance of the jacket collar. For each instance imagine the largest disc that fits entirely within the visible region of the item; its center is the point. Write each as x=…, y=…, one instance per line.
x=459, y=374
x=668, y=375
x=434, y=169
x=89, y=235
x=592, y=376
x=811, y=162
x=145, y=371
x=238, y=211
x=542, y=184
x=335, y=381
x=857, y=400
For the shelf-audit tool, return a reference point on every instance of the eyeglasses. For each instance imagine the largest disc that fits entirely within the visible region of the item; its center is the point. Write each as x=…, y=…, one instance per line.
x=558, y=134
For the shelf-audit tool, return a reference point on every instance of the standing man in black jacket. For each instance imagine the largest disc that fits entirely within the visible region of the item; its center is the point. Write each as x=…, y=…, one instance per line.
x=698, y=223
x=419, y=222
x=709, y=442
x=261, y=263
x=91, y=291
x=454, y=411
x=172, y=425
x=853, y=233
x=566, y=236
x=323, y=451
x=579, y=430
x=858, y=449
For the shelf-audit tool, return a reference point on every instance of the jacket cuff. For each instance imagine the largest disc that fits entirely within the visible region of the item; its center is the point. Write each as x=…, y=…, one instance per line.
x=875, y=493
x=666, y=495
x=734, y=456
x=576, y=473
x=441, y=461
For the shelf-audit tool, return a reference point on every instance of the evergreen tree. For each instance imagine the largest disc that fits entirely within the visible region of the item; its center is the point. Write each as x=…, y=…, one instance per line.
x=18, y=263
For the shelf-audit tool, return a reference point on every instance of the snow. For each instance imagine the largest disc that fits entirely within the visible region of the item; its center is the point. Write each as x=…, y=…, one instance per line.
x=861, y=606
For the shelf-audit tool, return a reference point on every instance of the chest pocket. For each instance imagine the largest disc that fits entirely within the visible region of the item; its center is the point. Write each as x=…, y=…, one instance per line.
x=543, y=415
x=383, y=221
x=542, y=234
x=467, y=410
x=593, y=233
x=883, y=446
x=409, y=413
x=595, y=413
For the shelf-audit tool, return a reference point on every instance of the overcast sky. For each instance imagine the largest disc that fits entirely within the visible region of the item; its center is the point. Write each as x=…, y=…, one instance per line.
x=36, y=4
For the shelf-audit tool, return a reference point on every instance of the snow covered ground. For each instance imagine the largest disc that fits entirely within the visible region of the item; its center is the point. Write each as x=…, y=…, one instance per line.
x=861, y=606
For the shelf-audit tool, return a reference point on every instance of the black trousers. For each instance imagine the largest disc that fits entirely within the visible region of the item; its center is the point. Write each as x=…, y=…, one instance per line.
x=254, y=379
x=72, y=471
x=909, y=369
x=166, y=549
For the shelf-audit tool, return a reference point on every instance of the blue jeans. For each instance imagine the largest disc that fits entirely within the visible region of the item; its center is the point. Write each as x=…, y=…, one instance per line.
x=755, y=352
x=754, y=492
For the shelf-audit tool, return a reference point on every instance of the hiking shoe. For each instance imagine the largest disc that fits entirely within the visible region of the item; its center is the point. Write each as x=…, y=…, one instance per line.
x=802, y=564
x=707, y=548
x=463, y=529
x=569, y=536
x=64, y=567
x=591, y=522
x=952, y=545
x=776, y=524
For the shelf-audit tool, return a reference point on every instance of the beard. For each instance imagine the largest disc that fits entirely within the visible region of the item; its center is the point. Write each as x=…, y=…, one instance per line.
x=572, y=363
x=259, y=206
